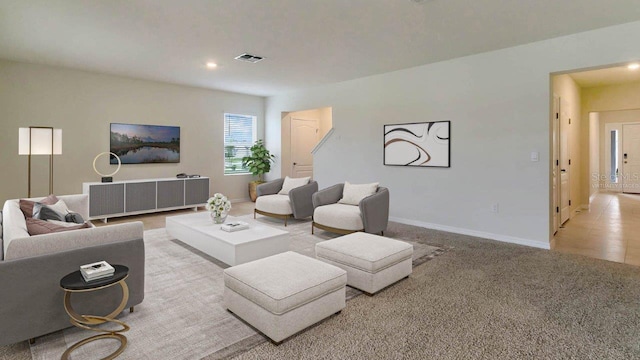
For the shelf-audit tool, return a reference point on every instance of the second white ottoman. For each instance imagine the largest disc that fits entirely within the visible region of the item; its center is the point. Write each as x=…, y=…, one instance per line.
x=372, y=262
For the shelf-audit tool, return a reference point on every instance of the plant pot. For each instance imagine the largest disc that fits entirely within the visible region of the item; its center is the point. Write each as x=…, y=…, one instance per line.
x=253, y=193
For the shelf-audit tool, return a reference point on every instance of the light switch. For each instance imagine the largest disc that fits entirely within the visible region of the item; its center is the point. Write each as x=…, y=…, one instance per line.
x=535, y=156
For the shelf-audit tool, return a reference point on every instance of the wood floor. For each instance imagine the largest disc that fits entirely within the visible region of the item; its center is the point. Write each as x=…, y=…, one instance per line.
x=609, y=230
x=157, y=220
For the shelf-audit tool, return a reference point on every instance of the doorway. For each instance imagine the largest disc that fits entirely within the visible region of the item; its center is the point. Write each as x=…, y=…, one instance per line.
x=301, y=132
x=304, y=137
x=631, y=158
x=565, y=163
x=601, y=111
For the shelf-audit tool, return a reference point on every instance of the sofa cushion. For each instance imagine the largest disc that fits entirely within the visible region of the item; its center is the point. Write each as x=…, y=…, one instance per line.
x=285, y=281
x=352, y=194
x=292, y=183
x=27, y=205
x=339, y=216
x=275, y=204
x=363, y=251
x=39, y=227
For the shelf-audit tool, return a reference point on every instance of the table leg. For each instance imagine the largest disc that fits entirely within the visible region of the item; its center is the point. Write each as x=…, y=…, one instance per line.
x=88, y=321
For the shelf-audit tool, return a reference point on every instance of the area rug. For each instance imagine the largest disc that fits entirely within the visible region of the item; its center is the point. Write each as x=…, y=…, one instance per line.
x=182, y=316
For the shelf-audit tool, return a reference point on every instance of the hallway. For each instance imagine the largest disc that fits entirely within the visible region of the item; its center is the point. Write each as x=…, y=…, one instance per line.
x=609, y=230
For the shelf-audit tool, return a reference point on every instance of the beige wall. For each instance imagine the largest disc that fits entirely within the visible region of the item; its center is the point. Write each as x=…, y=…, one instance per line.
x=613, y=97
x=83, y=104
x=323, y=115
x=570, y=96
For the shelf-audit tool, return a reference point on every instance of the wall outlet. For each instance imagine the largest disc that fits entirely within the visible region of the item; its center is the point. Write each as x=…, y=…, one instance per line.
x=495, y=208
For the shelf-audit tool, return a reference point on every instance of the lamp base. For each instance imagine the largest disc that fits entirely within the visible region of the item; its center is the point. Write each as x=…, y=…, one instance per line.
x=107, y=179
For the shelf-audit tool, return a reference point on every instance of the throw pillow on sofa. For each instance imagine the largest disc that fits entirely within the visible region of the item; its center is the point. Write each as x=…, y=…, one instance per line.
x=354, y=193
x=39, y=227
x=292, y=183
x=57, y=211
x=74, y=217
x=27, y=205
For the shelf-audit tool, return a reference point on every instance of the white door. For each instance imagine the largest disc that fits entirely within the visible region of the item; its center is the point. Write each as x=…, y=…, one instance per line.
x=555, y=166
x=304, y=137
x=565, y=164
x=631, y=158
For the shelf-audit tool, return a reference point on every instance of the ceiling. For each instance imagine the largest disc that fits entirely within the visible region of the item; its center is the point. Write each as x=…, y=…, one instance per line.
x=609, y=76
x=305, y=43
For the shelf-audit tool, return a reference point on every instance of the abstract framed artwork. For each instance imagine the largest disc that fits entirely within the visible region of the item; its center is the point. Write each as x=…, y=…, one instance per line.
x=425, y=144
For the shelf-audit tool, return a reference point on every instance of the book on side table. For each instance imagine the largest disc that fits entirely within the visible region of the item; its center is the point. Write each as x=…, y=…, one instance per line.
x=96, y=270
x=234, y=226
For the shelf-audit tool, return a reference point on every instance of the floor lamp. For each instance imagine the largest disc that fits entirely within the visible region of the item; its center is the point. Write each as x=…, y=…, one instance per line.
x=40, y=140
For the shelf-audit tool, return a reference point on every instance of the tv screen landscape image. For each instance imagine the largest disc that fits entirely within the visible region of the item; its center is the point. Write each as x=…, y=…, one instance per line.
x=141, y=144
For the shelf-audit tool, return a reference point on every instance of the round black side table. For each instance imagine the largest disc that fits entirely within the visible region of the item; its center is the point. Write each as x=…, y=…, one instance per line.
x=75, y=283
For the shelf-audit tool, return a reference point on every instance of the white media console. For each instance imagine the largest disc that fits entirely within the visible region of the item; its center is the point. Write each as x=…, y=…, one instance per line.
x=131, y=197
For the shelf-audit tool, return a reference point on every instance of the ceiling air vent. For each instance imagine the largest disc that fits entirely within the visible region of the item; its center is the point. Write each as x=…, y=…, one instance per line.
x=249, y=58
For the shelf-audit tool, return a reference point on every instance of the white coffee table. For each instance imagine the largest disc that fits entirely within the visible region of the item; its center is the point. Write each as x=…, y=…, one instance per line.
x=232, y=248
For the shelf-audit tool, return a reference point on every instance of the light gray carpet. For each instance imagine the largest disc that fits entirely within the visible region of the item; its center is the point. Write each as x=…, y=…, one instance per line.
x=484, y=300
x=182, y=316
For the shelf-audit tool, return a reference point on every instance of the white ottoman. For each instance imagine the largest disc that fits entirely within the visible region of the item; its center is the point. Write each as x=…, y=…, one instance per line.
x=372, y=262
x=283, y=294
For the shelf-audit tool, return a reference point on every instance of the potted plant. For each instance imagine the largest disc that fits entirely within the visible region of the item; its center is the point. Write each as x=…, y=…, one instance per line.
x=259, y=163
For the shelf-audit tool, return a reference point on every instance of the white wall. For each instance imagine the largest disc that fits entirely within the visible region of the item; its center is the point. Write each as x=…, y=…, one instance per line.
x=498, y=103
x=83, y=104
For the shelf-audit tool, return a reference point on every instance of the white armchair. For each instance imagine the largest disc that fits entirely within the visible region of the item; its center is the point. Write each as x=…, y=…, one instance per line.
x=285, y=198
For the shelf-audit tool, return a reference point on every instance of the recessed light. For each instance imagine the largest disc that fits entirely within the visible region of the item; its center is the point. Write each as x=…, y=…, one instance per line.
x=211, y=65
x=634, y=66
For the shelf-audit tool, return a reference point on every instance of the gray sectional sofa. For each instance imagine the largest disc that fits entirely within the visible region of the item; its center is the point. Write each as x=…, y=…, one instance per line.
x=31, y=300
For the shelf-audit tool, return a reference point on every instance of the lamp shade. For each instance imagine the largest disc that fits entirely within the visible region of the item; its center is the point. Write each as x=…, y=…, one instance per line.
x=37, y=141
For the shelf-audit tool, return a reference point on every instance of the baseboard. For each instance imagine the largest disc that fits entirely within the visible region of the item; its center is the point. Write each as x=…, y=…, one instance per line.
x=481, y=234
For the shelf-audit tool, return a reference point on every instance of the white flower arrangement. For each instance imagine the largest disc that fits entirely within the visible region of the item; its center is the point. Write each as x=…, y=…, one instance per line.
x=219, y=205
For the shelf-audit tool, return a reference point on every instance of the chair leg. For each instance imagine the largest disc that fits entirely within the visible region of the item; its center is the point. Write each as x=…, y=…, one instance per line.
x=254, y=213
x=312, y=228
x=32, y=341
x=381, y=233
x=285, y=221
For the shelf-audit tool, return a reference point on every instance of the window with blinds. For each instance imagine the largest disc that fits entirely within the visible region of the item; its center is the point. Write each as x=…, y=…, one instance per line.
x=239, y=135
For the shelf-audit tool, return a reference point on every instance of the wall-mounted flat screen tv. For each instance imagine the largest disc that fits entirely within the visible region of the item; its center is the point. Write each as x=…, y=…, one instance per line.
x=142, y=144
